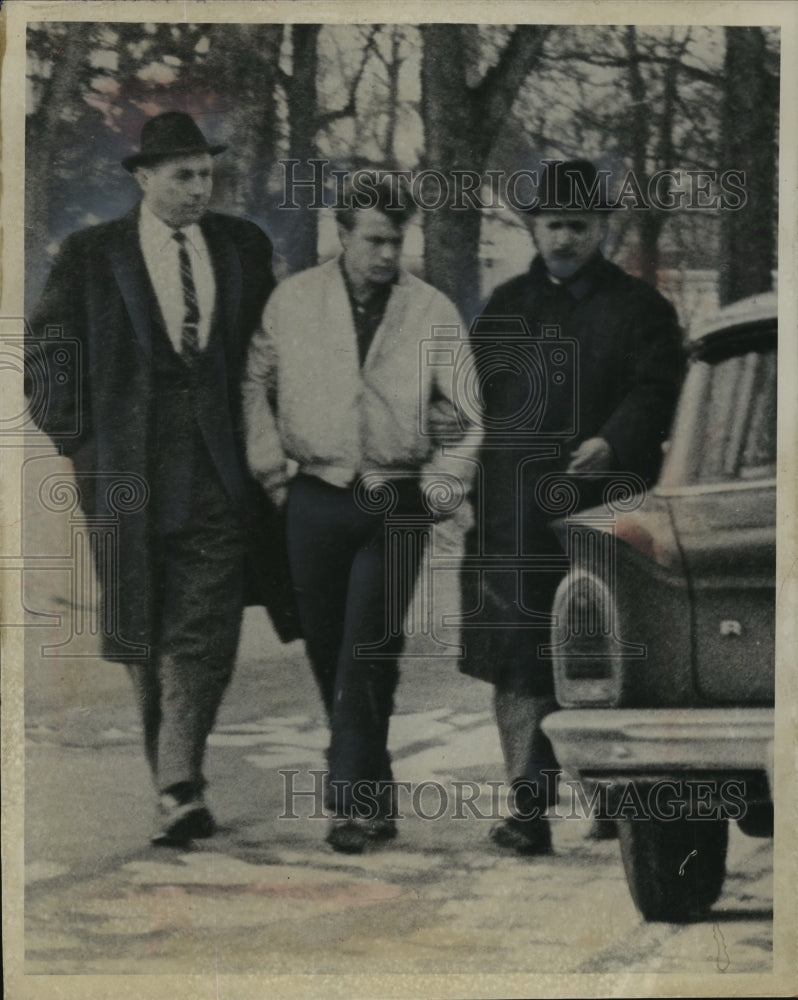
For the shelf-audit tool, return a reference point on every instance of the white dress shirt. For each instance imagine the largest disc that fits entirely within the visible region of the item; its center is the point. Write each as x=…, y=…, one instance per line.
x=160, y=250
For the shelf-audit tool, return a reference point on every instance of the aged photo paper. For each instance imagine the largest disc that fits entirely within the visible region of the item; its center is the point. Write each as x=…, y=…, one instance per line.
x=539, y=736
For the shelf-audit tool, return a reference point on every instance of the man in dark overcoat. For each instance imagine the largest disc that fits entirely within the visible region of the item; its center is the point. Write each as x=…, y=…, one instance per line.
x=593, y=394
x=144, y=326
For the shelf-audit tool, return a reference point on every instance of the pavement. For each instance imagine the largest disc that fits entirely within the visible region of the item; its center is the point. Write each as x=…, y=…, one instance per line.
x=267, y=897
x=267, y=894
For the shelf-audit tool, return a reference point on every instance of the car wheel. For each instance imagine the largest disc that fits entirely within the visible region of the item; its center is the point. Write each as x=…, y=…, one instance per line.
x=757, y=821
x=667, y=880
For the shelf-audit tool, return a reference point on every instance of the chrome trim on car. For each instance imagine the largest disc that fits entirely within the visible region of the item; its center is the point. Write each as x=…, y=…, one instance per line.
x=730, y=487
x=637, y=741
x=745, y=312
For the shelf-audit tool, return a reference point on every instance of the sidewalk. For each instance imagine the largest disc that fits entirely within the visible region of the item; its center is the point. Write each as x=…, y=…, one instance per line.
x=267, y=895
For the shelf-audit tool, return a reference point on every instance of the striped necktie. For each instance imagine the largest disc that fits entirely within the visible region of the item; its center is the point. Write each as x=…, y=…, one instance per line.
x=189, y=334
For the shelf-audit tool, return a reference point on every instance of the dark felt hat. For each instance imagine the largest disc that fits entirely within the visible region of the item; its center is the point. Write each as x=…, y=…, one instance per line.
x=174, y=133
x=571, y=184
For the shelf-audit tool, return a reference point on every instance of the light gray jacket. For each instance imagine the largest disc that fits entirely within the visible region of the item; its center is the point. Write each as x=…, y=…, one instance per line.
x=337, y=420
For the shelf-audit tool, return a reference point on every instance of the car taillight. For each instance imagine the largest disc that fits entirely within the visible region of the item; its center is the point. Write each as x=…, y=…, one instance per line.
x=655, y=545
x=588, y=655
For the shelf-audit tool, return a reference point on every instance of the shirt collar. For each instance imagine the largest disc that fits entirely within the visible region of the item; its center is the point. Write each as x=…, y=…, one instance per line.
x=580, y=284
x=156, y=232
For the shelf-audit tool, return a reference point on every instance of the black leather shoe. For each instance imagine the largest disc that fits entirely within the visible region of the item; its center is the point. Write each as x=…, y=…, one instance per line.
x=177, y=823
x=527, y=837
x=347, y=836
x=601, y=829
x=380, y=828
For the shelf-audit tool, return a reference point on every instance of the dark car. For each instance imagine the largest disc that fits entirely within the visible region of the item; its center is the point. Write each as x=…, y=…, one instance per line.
x=664, y=639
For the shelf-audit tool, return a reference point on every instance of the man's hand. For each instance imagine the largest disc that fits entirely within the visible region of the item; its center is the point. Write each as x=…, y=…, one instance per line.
x=442, y=421
x=593, y=455
x=278, y=496
x=274, y=483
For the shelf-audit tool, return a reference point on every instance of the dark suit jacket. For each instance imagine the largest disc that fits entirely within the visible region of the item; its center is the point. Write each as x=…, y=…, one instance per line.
x=621, y=370
x=98, y=400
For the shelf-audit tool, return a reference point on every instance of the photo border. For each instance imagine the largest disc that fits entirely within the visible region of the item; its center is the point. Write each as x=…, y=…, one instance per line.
x=783, y=980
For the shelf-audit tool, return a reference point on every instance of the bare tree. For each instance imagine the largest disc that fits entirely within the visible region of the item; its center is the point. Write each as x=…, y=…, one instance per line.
x=749, y=145
x=305, y=120
x=62, y=59
x=462, y=120
x=252, y=120
x=651, y=124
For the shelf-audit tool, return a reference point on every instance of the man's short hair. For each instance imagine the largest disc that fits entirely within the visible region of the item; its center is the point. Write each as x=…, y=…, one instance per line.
x=385, y=190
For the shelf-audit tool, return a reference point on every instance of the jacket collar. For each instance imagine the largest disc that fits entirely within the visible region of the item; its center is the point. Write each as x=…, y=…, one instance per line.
x=393, y=319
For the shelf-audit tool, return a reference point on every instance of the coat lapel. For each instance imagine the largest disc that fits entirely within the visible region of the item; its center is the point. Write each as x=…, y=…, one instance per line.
x=337, y=310
x=130, y=271
x=393, y=322
x=215, y=420
x=227, y=275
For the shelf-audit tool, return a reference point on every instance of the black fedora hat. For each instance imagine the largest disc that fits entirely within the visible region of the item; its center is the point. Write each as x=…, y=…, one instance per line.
x=173, y=133
x=571, y=184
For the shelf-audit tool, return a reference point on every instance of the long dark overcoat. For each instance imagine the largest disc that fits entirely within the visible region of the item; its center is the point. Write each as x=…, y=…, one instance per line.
x=90, y=347
x=615, y=373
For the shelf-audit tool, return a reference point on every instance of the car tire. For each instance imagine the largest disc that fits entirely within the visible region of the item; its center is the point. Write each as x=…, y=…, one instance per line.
x=667, y=881
x=757, y=821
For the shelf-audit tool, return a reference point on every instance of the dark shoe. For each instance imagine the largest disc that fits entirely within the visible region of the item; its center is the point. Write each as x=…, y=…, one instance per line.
x=380, y=828
x=601, y=829
x=179, y=822
x=349, y=836
x=527, y=837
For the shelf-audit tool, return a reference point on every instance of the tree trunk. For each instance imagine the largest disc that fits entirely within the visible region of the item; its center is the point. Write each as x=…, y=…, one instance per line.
x=393, y=68
x=301, y=226
x=748, y=144
x=451, y=235
x=648, y=226
x=251, y=79
x=461, y=125
x=43, y=144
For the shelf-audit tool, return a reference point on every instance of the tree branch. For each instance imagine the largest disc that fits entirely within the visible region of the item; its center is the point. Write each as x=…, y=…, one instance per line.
x=324, y=118
x=495, y=94
x=618, y=62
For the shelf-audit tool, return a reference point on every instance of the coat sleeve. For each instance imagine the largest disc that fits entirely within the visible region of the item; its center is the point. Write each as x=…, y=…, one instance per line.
x=57, y=383
x=453, y=415
x=256, y=253
x=261, y=253
x=265, y=456
x=641, y=422
x=491, y=322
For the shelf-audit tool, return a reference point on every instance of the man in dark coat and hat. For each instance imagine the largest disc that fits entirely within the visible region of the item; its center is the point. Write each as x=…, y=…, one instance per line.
x=159, y=307
x=579, y=366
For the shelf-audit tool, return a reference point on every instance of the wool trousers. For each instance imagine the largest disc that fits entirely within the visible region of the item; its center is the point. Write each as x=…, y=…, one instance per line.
x=529, y=758
x=198, y=595
x=350, y=595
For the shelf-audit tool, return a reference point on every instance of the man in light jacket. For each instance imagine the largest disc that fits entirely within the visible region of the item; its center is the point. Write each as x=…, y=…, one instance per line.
x=340, y=353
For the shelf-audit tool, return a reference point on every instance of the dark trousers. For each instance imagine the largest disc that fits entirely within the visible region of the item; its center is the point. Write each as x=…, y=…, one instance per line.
x=523, y=697
x=529, y=759
x=347, y=594
x=199, y=594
